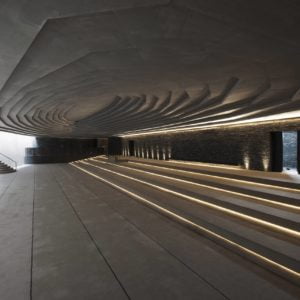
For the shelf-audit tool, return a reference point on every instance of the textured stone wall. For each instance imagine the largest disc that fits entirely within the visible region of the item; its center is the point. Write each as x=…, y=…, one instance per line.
x=249, y=147
x=239, y=147
x=56, y=150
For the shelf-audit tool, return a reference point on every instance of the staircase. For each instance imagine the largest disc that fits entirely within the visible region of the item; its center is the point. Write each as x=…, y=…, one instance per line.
x=254, y=214
x=4, y=168
x=7, y=165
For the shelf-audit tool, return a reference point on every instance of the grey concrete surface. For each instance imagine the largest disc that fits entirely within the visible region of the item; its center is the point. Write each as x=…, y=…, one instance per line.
x=16, y=203
x=65, y=64
x=144, y=267
x=66, y=262
x=89, y=241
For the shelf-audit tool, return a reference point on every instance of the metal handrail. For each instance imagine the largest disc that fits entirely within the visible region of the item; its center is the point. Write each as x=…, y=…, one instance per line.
x=10, y=159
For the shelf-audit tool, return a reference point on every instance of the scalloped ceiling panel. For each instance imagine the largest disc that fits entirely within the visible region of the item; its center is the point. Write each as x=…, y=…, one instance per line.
x=100, y=68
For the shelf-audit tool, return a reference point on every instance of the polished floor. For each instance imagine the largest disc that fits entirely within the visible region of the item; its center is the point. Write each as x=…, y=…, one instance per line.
x=66, y=234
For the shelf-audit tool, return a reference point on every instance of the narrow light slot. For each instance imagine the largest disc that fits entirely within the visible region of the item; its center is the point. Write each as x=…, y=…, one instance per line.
x=175, y=128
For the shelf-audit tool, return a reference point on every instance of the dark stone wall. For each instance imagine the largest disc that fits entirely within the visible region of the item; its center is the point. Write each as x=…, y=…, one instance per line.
x=250, y=147
x=56, y=150
x=233, y=147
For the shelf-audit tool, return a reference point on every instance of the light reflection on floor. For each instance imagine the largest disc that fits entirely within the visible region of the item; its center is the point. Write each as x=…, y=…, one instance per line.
x=23, y=166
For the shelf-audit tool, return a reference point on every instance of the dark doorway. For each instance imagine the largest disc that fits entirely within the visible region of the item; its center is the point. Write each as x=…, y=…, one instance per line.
x=131, y=148
x=276, y=151
x=298, y=152
x=114, y=146
x=290, y=149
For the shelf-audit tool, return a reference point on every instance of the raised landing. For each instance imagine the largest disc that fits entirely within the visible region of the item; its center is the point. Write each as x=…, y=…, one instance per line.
x=66, y=235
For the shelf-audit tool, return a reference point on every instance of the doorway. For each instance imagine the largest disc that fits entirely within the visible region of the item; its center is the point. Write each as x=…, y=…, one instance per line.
x=290, y=149
x=131, y=148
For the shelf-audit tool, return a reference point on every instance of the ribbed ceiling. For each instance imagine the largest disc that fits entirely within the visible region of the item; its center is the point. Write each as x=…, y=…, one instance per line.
x=99, y=68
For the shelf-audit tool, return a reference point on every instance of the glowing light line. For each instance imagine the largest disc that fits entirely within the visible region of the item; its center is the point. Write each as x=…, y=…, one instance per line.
x=209, y=165
x=198, y=127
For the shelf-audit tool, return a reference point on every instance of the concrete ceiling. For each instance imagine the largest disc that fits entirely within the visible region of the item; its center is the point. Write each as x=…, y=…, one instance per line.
x=76, y=68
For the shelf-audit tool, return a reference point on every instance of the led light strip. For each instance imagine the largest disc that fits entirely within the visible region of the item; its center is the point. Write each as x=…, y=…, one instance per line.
x=176, y=128
x=207, y=204
x=208, y=165
x=223, y=178
x=280, y=269
x=206, y=186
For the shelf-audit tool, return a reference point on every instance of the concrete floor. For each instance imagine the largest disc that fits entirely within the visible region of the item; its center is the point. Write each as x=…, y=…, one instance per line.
x=65, y=235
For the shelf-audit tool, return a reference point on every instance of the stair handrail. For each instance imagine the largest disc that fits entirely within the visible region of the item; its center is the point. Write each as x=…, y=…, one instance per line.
x=10, y=159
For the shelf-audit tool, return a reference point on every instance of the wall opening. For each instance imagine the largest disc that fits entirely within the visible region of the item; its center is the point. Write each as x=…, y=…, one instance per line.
x=14, y=146
x=290, y=149
x=276, y=151
x=299, y=152
x=131, y=148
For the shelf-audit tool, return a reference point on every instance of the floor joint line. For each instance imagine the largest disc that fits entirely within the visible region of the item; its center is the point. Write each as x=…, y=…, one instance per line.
x=91, y=237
